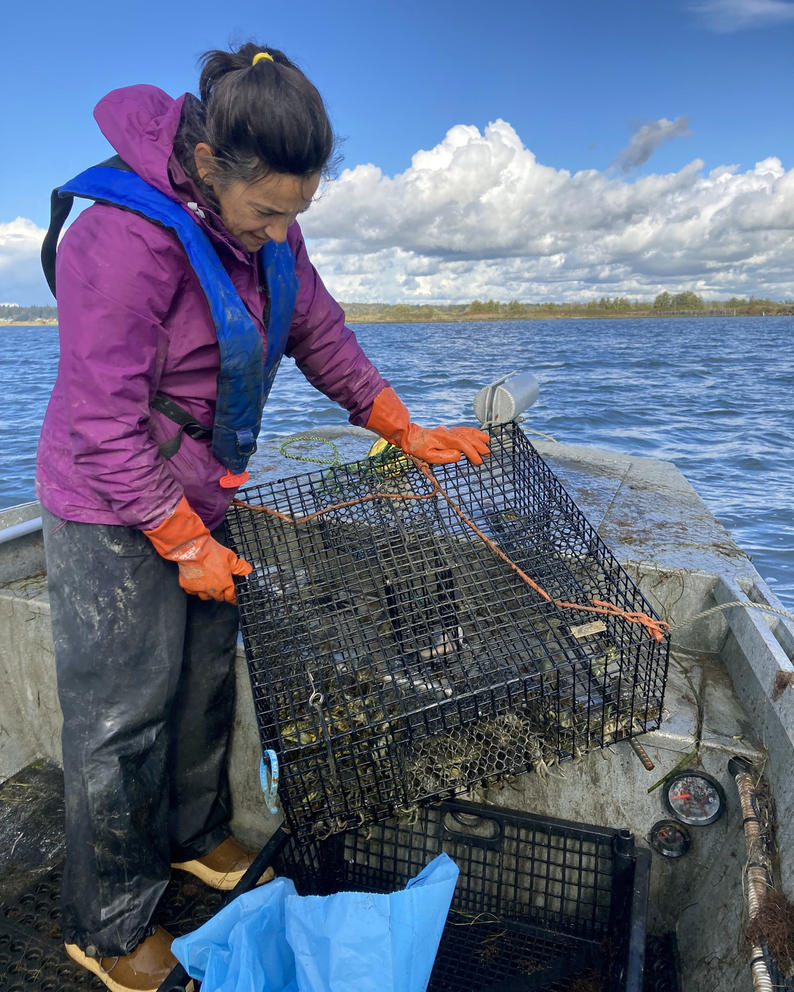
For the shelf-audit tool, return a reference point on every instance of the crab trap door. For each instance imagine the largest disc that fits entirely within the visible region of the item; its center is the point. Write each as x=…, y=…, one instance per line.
x=405, y=638
x=540, y=903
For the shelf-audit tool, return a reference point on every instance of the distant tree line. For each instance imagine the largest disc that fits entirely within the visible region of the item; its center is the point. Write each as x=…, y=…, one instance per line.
x=689, y=301
x=26, y=315
x=665, y=304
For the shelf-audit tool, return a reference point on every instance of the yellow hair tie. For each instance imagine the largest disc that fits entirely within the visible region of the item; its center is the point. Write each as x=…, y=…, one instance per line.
x=262, y=55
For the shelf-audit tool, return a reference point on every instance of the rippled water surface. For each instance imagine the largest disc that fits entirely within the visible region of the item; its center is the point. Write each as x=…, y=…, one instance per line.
x=713, y=395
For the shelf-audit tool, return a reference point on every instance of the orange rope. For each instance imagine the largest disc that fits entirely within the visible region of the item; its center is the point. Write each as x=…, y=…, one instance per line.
x=299, y=521
x=656, y=628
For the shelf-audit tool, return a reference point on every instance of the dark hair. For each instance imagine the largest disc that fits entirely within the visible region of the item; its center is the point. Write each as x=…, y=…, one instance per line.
x=257, y=119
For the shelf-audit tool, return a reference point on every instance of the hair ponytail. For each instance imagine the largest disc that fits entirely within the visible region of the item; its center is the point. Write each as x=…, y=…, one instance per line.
x=257, y=116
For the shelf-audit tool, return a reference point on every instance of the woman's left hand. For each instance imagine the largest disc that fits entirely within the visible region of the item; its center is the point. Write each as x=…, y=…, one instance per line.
x=442, y=445
x=437, y=445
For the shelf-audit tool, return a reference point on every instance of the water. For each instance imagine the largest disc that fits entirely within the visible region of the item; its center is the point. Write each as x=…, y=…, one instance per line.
x=713, y=395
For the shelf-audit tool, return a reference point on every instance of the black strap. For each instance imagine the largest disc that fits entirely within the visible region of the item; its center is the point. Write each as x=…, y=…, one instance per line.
x=59, y=211
x=187, y=425
x=60, y=207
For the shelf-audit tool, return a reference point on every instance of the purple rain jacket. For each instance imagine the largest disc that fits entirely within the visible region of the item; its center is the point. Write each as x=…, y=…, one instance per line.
x=133, y=321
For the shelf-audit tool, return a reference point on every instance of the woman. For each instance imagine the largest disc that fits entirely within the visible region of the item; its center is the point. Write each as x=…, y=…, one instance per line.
x=191, y=258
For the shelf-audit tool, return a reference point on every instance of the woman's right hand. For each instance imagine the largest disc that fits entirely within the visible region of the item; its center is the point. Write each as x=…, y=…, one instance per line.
x=206, y=568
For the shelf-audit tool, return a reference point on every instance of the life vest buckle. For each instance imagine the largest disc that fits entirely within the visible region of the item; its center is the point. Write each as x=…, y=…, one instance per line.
x=246, y=442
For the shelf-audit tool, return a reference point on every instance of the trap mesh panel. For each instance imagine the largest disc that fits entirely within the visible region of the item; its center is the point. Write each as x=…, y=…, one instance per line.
x=536, y=896
x=396, y=657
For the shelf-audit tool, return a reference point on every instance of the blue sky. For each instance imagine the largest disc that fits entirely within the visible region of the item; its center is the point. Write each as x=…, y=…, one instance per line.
x=644, y=120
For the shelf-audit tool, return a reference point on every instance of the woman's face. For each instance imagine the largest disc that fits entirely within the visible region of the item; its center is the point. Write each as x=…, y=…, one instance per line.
x=261, y=211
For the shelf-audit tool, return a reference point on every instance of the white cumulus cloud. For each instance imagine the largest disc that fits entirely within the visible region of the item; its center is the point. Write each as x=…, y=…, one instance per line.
x=21, y=278
x=726, y=16
x=479, y=217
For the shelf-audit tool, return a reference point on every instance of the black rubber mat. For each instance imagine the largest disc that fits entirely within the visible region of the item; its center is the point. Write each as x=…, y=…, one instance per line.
x=32, y=956
x=31, y=827
x=31, y=947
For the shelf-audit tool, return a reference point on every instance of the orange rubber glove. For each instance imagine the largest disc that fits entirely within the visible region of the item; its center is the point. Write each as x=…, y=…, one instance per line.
x=437, y=445
x=205, y=567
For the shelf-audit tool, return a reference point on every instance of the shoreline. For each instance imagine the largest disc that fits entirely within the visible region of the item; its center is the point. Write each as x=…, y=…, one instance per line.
x=497, y=317
x=464, y=318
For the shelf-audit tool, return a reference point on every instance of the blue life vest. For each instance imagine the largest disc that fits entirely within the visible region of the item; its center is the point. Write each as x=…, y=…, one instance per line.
x=246, y=375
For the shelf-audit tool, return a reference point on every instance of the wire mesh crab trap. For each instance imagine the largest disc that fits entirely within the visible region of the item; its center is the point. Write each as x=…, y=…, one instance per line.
x=412, y=632
x=540, y=903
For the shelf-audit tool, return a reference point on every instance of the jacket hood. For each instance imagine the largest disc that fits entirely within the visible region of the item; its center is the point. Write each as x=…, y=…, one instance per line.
x=141, y=123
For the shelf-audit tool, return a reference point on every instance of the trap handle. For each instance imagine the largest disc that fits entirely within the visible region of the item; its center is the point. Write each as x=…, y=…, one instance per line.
x=474, y=829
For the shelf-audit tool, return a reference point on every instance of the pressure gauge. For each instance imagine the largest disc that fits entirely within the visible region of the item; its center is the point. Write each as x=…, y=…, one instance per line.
x=669, y=838
x=694, y=797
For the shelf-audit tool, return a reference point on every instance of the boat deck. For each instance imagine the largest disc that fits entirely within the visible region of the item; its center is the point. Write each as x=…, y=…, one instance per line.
x=730, y=691
x=31, y=857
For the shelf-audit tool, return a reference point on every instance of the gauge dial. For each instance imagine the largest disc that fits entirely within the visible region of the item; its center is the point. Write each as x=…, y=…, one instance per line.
x=669, y=838
x=694, y=797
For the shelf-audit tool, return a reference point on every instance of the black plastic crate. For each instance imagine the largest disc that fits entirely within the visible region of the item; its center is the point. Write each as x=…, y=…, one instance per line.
x=540, y=903
x=419, y=633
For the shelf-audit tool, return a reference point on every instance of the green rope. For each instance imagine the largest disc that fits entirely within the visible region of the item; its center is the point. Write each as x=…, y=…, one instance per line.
x=681, y=764
x=306, y=458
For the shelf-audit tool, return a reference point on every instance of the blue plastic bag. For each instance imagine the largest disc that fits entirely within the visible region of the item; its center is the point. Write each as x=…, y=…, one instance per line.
x=366, y=942
x=242, y=948
x=272, y=940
